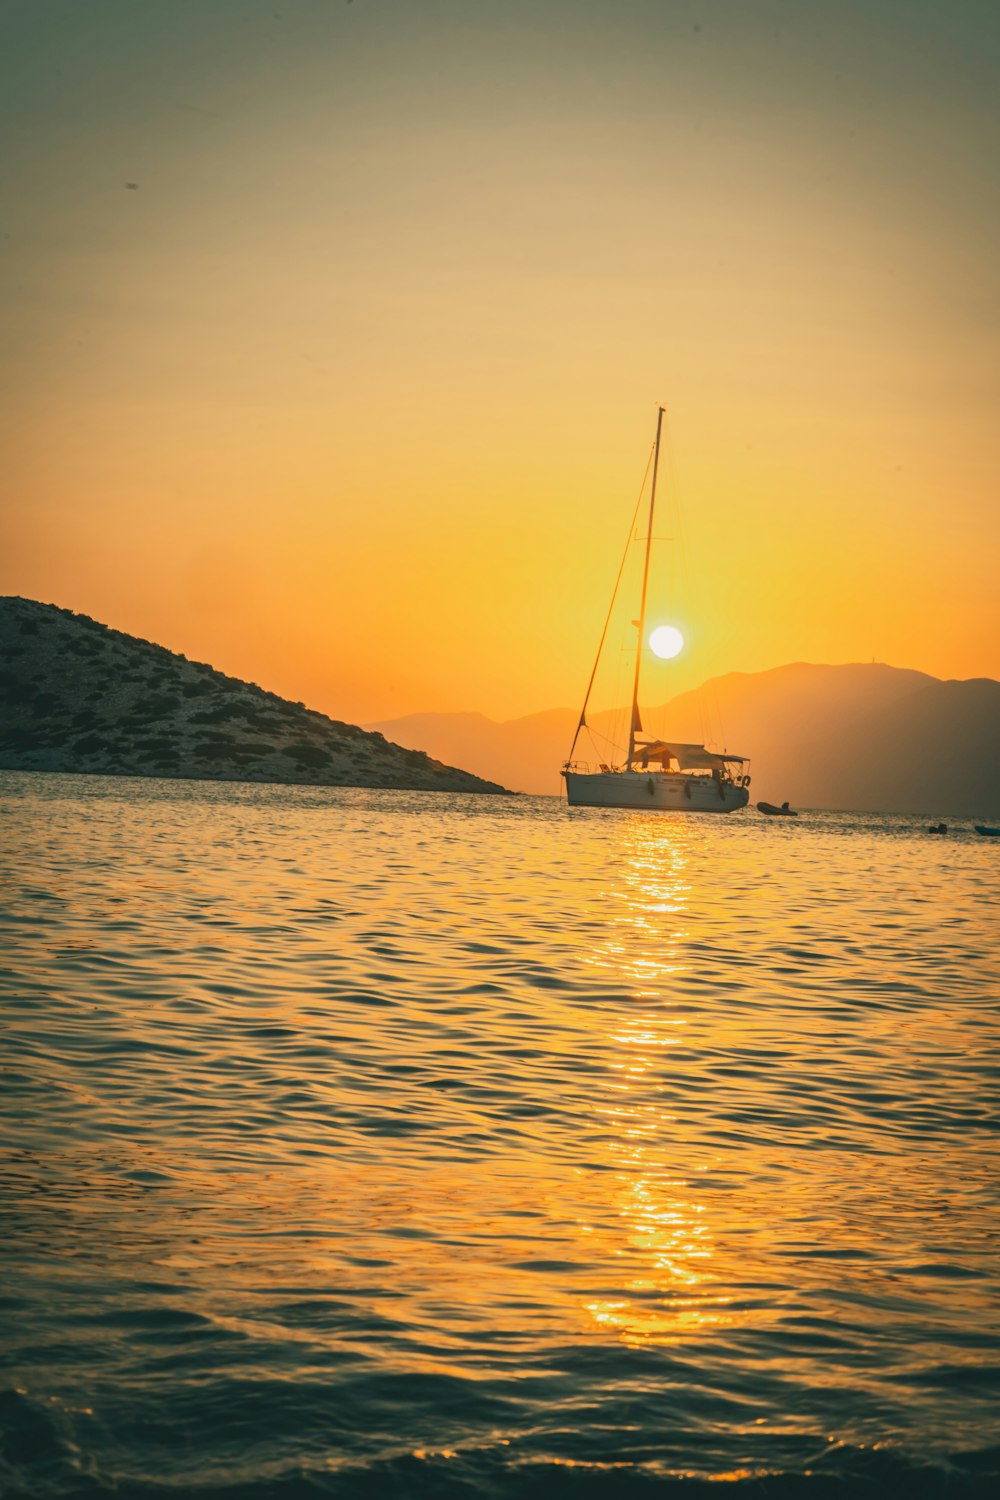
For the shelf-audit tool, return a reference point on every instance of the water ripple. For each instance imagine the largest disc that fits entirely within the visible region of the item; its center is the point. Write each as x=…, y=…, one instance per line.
x=394, y=1143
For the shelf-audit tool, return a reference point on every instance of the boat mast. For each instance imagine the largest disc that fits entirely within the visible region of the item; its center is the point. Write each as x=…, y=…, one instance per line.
x=581, y=722
x=634, y=721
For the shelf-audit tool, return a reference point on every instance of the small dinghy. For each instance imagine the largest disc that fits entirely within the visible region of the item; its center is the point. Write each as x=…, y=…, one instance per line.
x=938, y=828
x=784, y=811
x=988, y=833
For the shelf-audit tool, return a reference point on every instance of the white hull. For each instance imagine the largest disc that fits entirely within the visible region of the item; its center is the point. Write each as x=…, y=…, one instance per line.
x=658, y=791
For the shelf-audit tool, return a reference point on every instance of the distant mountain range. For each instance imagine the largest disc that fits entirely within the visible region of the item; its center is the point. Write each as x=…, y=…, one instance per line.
x=77, y=696
x=869, y=738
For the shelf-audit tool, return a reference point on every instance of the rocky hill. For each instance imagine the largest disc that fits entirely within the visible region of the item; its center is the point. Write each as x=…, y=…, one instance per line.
x=78, y=696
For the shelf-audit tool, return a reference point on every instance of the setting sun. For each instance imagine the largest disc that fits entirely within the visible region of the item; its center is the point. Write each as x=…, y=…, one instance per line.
x=666, y=641
x=503, y=873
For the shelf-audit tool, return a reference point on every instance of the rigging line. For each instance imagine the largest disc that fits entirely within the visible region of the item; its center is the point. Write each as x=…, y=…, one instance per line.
x=617, y=717
x=685, y=586
x=595, y=735
x=708, y=705
x=635, y=720
x=607, y=622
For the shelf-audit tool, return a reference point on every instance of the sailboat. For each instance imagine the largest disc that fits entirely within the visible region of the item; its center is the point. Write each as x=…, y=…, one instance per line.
x=655, y=774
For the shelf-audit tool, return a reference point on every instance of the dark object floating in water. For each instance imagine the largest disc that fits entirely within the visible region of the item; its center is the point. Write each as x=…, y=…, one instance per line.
x=988, y=833
x=938, y=828
x=784, y=811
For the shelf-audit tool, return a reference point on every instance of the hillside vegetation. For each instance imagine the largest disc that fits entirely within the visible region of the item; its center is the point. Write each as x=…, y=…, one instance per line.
x=77, y=696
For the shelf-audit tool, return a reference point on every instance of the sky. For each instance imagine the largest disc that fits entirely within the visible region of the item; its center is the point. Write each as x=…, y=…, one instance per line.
x=334, y=334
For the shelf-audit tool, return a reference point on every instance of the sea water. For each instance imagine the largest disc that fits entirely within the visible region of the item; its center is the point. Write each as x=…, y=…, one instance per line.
x=368, y=1143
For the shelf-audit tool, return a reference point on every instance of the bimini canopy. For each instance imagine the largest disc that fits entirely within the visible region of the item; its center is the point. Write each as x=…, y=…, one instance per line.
x=688, y=757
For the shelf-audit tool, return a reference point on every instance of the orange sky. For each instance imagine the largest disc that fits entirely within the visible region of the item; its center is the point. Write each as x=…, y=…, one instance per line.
x=351, y=395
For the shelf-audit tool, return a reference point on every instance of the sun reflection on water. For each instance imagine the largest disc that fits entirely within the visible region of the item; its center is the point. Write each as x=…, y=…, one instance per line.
x=433, y=1125
x=664, y=1231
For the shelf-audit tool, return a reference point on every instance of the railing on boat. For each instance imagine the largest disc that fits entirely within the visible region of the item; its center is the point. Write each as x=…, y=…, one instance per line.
x=585, y=768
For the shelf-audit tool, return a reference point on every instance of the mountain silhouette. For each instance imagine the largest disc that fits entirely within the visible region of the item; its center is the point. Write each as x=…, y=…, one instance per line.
x=863, y=737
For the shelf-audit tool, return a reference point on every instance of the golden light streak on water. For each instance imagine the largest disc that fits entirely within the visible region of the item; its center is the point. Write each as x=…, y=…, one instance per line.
x=667, y=1232
x=360, y=1126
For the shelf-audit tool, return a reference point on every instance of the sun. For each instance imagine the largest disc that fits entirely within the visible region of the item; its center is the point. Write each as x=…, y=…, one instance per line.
x=665, y=641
